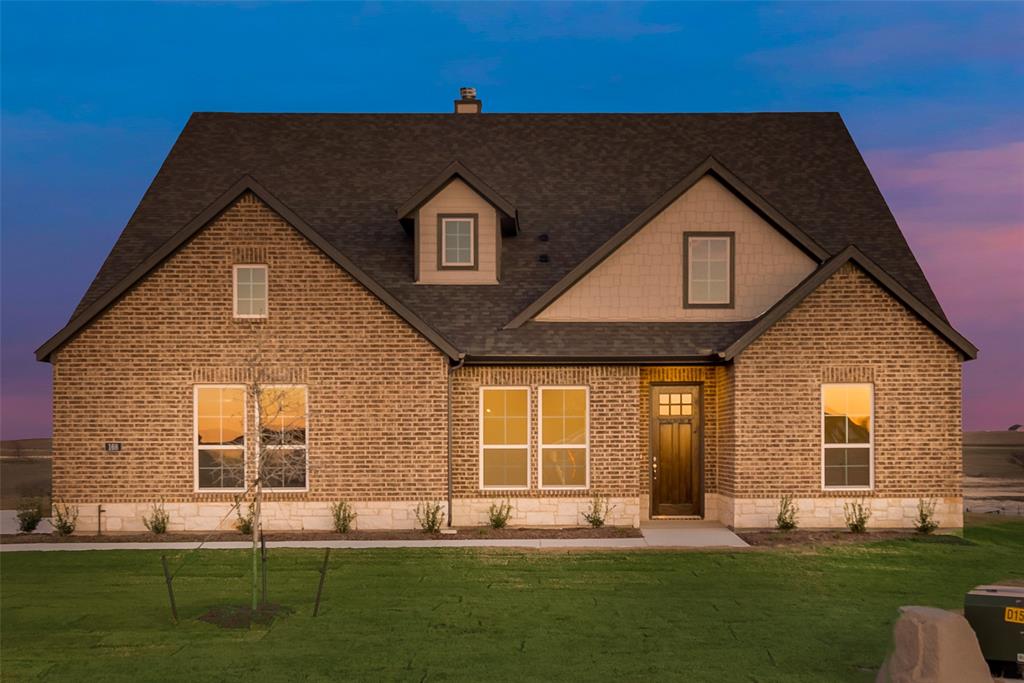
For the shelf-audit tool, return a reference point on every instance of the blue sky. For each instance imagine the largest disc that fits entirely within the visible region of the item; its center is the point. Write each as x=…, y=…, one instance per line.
x=93, y=96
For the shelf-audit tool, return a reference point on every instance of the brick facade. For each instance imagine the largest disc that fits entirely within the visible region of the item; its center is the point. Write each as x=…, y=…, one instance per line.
x=378, y=400
x=377, y=388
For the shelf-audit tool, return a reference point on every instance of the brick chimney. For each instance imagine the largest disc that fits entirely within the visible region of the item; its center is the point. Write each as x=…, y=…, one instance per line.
x=468, y=104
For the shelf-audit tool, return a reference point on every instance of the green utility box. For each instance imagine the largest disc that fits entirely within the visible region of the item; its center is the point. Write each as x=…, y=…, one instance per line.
x=996, y=613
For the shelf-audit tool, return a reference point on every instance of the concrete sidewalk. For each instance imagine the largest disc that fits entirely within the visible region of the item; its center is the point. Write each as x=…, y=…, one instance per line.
x=656, y=534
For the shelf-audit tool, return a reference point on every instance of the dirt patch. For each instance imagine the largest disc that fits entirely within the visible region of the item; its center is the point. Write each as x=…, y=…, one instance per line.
x=463, y=534
x=811, y=537
x=238, y=616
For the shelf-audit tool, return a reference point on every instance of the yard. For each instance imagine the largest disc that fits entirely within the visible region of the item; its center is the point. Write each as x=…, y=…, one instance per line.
x=786, y=614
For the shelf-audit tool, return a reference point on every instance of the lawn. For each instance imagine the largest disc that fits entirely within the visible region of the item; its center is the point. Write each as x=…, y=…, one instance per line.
x=822, y=614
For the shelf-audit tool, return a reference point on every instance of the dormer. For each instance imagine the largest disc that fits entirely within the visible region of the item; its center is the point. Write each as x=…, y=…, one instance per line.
x=458, y=223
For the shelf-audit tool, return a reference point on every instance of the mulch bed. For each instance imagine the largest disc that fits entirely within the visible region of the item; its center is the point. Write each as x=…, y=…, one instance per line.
x=464, y=533
x=238, y=616
x=810, y=537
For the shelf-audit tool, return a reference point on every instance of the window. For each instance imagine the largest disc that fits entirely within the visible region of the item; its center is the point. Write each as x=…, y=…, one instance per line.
x=504, y=438
x=457, y=241
x=847, y=435
x=708, y=259
x=220, y=437
x=283, y=436
x=563, y=437
x=675, y=405
x=250, y=291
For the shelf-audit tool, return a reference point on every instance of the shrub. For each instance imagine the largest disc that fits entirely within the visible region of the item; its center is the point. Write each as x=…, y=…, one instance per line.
x=925, y=522
x=30, y=513
x=158, y=519
x=65, y=517
x=429, y=516
x=244, y=522
x=499, y=513
x=343, y=515
x=598, y=511
x=786, y=519
x=857, y=515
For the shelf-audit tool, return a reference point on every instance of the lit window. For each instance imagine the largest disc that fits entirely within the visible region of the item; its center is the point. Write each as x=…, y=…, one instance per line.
x=220, y=437
x=675, y=405
x=563, y=437
x=458, y=236
x=283, y=436
x=504, y=438
x=708, y=264
x=847, y=435
x=250, y=291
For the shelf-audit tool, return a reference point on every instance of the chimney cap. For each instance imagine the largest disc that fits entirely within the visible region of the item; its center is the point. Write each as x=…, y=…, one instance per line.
x=468, y=102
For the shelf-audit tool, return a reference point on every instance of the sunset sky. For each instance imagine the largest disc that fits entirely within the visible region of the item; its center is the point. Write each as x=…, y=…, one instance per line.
x=93, y=96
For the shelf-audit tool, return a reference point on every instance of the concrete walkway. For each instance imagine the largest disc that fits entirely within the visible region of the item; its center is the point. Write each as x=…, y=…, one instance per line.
x=687, y=533
x=656, y=534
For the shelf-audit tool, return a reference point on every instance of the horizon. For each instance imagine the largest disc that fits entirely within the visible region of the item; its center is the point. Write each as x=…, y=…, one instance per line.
x=95, y=95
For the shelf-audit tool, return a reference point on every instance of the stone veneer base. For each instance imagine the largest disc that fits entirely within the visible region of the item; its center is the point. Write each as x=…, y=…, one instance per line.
x=827, y=512
x=741, y=513
x=372, y=515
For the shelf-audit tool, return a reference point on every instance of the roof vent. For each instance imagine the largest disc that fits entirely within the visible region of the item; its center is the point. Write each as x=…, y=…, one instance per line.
x=468, y=104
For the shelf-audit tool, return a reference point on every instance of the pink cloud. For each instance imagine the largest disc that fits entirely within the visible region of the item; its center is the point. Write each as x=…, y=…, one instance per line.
x=962, y=211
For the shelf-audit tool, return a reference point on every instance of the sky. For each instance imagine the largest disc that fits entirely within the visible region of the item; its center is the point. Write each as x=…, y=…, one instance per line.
x=93, y=95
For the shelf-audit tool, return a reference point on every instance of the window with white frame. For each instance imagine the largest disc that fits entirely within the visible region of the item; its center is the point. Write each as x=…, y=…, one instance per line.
x=847, y=435
x=458, y=242
x=283, y=418
x=709, y=276
x=219, y=438
x=504, y=438
x=564, y=440
x=250, y=291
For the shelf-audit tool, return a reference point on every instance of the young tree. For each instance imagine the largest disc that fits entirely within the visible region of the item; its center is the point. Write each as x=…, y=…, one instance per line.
x=280, y=452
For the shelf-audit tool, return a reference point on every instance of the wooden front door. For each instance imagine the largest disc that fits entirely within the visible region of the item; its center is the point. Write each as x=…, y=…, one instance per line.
x=676, y=487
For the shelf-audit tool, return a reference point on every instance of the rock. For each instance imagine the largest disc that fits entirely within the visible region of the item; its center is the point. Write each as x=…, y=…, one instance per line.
x=933, y=646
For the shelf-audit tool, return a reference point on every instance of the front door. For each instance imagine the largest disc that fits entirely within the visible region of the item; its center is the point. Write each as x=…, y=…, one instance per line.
x=675, y=450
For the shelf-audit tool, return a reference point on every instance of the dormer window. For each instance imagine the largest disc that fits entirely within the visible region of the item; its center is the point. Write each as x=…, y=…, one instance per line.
x=708, y=262
x=457, y=242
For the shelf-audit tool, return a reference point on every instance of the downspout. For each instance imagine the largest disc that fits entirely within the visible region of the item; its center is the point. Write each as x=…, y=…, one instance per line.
x=452, y=367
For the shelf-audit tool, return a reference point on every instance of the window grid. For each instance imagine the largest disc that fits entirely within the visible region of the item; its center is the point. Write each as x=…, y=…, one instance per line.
x=506, y=447
x=709, y=266
x=457, y=234
x=564, y=412
x=250, y=291
x=847, y=436
x=283, y=417
x=219, y=454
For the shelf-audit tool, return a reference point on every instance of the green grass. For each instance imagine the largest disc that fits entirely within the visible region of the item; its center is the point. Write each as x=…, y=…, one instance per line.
x=489, y=615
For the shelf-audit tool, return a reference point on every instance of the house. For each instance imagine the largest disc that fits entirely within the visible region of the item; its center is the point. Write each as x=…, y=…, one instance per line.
x=692, y=314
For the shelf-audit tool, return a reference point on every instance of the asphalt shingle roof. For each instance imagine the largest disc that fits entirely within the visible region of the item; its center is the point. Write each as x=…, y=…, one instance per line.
x=577, y=178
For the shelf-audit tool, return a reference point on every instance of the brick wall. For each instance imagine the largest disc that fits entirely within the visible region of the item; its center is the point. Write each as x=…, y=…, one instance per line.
x=848, y=330
x=377, y=389
x=616, y=448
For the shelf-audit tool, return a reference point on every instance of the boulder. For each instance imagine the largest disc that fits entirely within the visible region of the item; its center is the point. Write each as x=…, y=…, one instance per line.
x=933, y=646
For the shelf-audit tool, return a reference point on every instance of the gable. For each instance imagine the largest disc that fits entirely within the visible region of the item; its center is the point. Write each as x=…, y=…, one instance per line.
x=457, y=199
x=642, y=280
x=245, y=185
x=853, y=264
